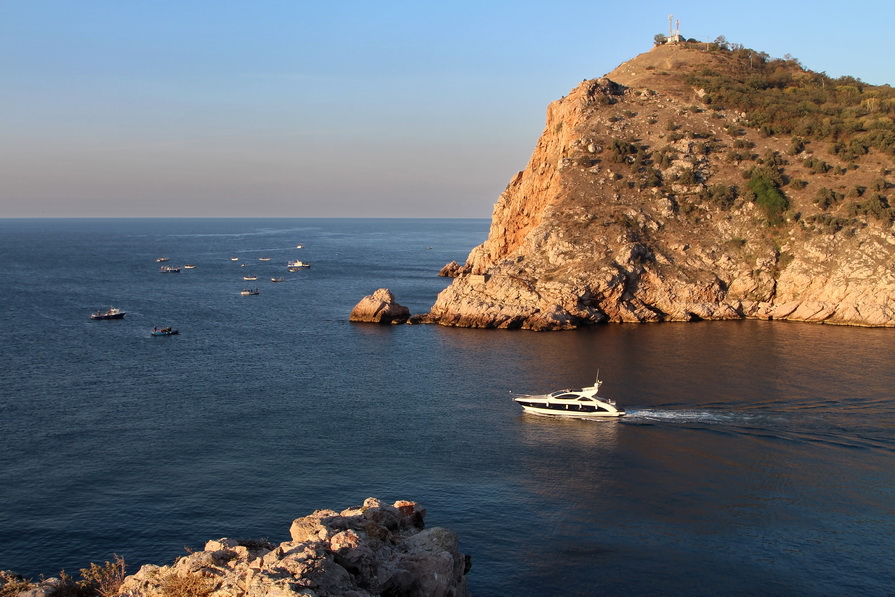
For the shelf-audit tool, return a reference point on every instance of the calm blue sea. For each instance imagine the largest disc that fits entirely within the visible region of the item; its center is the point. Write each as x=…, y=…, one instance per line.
x=757, y=457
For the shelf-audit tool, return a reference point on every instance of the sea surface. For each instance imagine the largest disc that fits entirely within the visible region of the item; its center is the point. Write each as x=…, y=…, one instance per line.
x=756, y=458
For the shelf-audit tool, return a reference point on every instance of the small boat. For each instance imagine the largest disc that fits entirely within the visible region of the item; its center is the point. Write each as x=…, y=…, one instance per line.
x=112, y=313
x=165, y=331
x=161, y=260
x=249, y=292
x=250, y=277
x=234, y=259
x=579, y=403
x=299, y=246
x=189, y=266
x=297, y=264
x=169, y=269
x=278, y=279
x=264, y=259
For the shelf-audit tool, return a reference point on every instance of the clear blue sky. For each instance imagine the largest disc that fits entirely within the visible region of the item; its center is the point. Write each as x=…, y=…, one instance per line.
x=363, y=109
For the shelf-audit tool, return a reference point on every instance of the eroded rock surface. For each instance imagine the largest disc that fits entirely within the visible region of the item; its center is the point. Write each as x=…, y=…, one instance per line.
x=374, y=549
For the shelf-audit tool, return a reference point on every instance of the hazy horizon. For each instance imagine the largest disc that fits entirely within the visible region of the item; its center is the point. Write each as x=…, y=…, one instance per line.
x=290, y=109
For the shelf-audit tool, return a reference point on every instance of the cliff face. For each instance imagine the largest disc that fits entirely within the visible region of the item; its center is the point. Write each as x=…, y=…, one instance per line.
x=636, y=207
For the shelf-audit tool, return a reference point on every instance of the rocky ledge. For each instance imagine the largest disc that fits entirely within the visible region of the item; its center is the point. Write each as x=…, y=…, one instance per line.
x=373, y=549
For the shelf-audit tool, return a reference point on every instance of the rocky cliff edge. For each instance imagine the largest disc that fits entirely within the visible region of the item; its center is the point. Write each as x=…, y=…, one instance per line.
x=634, y=208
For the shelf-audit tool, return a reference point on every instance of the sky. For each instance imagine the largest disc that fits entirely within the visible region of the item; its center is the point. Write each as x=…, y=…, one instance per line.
x=291, y=108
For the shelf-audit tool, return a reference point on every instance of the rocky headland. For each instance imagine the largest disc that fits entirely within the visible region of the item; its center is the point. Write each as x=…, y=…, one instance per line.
x=653, y=196
x=363, y=551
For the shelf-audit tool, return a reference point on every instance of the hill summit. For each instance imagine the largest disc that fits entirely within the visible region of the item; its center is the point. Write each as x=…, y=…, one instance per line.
x=695, y=181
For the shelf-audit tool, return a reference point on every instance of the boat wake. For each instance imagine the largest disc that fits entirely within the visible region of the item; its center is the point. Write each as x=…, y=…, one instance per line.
x=810, y=428
x=702, y=416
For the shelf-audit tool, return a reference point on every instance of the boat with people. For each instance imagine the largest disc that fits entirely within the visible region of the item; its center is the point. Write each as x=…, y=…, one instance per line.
x=234, y=259
x=581, y=403
x=297, y=264
x=161, y=260
x=278, y=279
x=250, y=277
x=112, y=313
x=189, y=266
x=264, y=259
x=165, y=331
x=249, y=292
x=169, y=269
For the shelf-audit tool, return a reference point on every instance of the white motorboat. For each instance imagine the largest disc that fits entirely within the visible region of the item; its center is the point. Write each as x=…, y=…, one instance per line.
x=297, y=265
x=580, y=403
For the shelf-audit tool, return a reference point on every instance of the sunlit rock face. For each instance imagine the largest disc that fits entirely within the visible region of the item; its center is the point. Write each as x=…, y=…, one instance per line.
x=632, y=209
x=380, y=307
x=374, y=549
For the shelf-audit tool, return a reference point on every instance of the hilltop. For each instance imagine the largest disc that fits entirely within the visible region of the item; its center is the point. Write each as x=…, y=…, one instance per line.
x=695, y=181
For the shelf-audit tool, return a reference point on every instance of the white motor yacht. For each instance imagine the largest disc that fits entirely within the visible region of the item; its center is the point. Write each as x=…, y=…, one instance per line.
x=579, y=403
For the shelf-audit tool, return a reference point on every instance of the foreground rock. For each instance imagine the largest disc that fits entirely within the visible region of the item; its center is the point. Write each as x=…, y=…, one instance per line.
x=375, y=549
x=635, y=207
x=380, y=307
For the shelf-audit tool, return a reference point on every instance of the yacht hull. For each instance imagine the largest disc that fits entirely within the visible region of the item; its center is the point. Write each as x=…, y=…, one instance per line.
x=563, y=412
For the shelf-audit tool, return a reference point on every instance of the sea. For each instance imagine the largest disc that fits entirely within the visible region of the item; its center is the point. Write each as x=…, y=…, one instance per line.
x=756, y=458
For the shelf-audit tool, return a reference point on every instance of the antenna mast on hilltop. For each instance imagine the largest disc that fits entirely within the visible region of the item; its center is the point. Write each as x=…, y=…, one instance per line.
x=674, y=31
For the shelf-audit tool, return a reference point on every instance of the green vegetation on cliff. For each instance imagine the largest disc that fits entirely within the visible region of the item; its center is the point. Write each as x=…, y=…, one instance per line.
x=780, y=97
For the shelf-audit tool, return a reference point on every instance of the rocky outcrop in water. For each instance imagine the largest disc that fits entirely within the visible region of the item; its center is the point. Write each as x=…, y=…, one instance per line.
x=365, y=551
x=380, y=307
x=635, y=207
x=374, y=549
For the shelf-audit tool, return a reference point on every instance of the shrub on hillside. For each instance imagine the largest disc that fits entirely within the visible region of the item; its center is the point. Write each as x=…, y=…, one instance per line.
x=766, y=194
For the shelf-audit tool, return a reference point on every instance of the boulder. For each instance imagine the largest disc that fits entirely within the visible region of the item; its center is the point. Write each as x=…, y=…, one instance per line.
x=380, y=307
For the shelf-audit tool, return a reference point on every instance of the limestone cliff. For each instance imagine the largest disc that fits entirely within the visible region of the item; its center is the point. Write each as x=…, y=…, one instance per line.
x=644, y=202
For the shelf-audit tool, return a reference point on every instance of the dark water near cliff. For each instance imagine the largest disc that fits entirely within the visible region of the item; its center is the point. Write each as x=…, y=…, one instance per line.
x=758, y=458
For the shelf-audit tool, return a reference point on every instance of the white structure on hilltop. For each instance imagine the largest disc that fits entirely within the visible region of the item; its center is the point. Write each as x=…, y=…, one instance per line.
x=674, y=31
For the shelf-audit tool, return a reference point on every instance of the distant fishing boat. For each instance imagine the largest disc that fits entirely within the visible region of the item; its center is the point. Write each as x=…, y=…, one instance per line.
x=298, y=264
x=249, y=292
x=112, y=313
x=250, y=277
x=166, y=331
x=278, y=279
x=169, y=269
x=189, y=266
x=264, y=259
x=161, y=260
